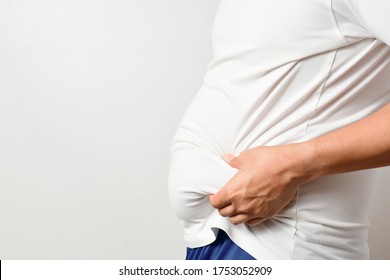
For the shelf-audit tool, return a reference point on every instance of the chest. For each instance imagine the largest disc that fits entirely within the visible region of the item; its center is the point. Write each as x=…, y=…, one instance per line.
x=296, y=28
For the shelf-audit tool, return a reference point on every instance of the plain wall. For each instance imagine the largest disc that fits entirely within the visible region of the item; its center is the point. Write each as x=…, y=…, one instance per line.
x=91, y=92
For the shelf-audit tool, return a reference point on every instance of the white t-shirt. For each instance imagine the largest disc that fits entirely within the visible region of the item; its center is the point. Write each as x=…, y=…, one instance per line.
x=284, y=72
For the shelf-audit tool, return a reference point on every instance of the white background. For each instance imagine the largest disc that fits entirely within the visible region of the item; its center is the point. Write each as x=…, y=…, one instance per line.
x=91, y=92
x=208, y=269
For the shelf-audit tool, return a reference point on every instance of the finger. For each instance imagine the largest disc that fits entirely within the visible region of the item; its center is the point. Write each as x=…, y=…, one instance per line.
x=232, y=160
x=223, y=197
x=240, y=218
x=228, y=157
x=219, y=200
x=227, y=211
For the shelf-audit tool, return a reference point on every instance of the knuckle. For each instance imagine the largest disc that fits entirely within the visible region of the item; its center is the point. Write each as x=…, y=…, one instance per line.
x=231, y=195
x=243, y=208
x=234, y=221
x=222, y=213
x=233, y=209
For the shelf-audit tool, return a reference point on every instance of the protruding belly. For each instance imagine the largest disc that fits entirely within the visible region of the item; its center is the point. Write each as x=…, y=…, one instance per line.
x=195, y=173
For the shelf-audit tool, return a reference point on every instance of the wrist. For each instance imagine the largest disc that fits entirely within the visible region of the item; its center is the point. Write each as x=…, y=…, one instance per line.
x=307, y=164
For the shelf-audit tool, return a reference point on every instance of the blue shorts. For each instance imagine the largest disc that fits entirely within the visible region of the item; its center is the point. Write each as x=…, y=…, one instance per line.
x=223, y=248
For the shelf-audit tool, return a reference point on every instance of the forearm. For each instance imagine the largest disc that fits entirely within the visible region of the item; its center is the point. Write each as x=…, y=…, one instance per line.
x=268, y=177
x=361, y=145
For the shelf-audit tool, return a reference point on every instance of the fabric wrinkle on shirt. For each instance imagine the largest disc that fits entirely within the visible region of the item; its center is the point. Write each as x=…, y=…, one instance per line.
x=284, y=72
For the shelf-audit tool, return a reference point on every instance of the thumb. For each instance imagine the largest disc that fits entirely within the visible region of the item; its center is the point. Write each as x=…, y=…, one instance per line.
x=232, y=160
x=219, y=199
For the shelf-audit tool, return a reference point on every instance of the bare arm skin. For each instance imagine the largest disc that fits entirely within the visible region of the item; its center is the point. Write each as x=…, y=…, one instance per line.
x=268, y=177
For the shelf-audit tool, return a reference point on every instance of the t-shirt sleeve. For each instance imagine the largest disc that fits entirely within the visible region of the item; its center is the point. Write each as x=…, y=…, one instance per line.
x=363, y=19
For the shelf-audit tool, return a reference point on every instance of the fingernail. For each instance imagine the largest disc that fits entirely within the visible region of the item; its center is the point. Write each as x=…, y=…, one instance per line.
x=227, y=157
